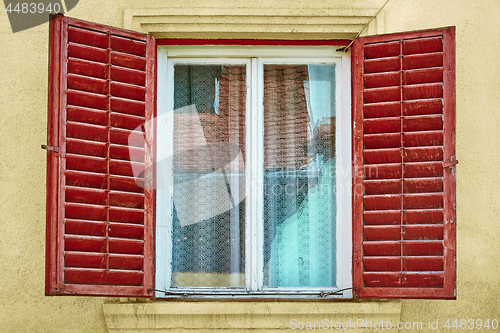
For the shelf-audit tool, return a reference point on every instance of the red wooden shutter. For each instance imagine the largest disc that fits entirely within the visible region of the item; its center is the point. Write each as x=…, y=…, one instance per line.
x=99, y=160
x=404, y=155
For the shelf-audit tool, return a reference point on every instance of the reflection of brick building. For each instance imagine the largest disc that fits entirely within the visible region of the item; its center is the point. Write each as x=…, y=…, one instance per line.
x=286, y=121
x=206, y=138
x=209, y=162
x=286, y=118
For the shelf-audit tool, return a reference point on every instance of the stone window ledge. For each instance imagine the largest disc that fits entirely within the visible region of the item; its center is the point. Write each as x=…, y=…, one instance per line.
x=259, y=316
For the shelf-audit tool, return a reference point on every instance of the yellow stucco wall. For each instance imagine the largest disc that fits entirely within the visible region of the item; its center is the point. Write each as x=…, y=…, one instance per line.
x=23, y=105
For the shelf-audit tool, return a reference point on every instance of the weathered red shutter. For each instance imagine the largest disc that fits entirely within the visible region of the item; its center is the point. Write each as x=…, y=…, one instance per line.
x=404, y=174
x=99, y=160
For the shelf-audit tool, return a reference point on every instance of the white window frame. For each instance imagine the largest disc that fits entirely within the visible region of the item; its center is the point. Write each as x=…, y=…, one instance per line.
x=254, y=57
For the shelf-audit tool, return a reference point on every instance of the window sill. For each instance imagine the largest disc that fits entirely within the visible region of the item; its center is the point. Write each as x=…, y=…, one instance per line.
x=181, y=316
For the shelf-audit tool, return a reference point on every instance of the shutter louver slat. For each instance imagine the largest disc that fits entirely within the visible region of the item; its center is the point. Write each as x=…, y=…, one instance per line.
x=122, y=168
x=374, y=141
x=83, y=147
x=127, y=91
x=125, y=246
x=423, y=264
x=97, y=260
x=419, y=61
x=381, y=95
x=125, y=137
x=127, y=75
x=430, y=75
x=382, y=80
x=134, y=154
x=382, y=156
x=382, y=248
x=81, y=211
x=403, y=115
x=126, y=215
x=422, y=107
x=128, y=61
x=382, y=264
x=382, y=186
x=87, y=37
x=386, y=279
x=428, y=216
x=422, y=123
x=422, y=154
x=85, y=99
x=103, y=277
x=423, y=45
x=84, y=243
x=423, y=91
x=379, y=110
x=416, y=232
x=126, y=199
x=122, y=230
x=423, y=185
x=382, y=217
x=423, y=248
x=423, y=201
x=382, y=171
x=390, y=232
x=382, y=65
x=105, y=211
x=87, y=68
x=126, y=121
x=127, y=45
x=418, y=139
x=85, y=195
x=86, y=131
x=423, y=169
x=85, y=52
x=85, y=179
x=127, y=184
x=85, y=163
x=88, y=84
x=382, y=125
x=86, y=115
x=131, y=107
x=85, y=227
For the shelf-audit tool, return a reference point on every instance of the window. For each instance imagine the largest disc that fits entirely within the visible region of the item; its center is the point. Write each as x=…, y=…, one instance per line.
x=248, y=141
x=242, y=182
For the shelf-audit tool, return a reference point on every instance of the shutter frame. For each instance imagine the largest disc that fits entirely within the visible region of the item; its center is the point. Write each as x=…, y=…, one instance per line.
x=96, y=280
x=447, y=290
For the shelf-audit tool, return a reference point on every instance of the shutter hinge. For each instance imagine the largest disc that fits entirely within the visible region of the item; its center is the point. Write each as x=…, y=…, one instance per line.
x=54, y=149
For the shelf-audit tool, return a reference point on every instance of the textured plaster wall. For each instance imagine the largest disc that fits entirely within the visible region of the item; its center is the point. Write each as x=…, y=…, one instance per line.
x=23, y=107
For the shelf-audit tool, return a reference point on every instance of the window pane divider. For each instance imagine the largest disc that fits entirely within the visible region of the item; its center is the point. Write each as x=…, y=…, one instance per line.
x=255, y=172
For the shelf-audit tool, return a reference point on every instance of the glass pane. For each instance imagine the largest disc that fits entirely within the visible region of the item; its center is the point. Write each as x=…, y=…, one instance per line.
x=299, y=176
x=209, y=176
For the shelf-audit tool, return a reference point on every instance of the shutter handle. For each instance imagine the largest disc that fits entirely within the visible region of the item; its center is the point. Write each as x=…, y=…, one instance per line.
x=51, y=148
x=451, y=164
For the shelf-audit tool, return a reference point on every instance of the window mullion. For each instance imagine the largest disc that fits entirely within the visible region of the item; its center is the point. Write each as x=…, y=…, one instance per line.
x=255, y=164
